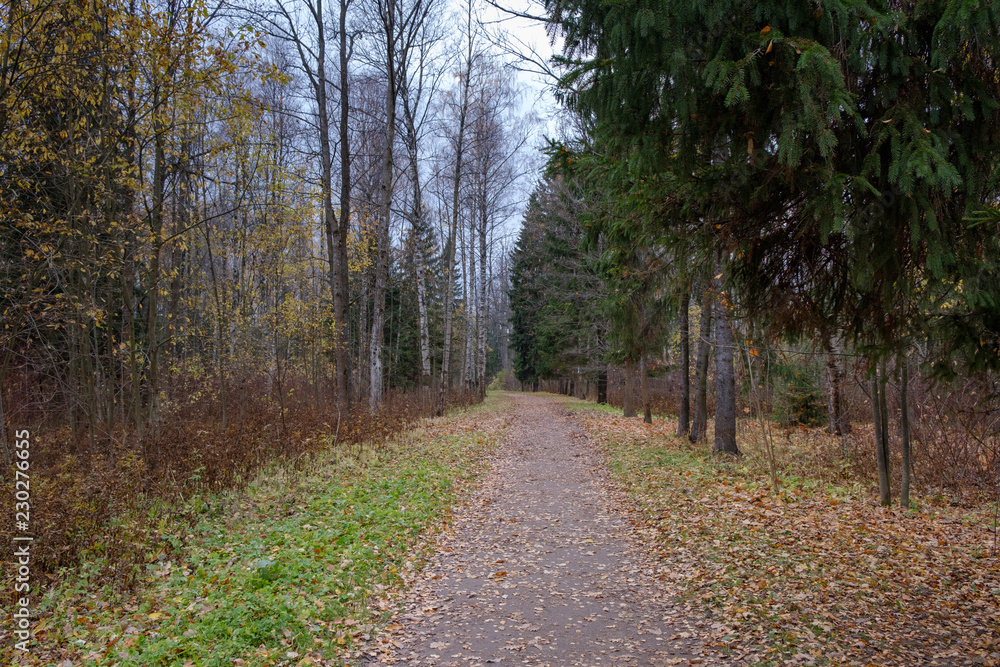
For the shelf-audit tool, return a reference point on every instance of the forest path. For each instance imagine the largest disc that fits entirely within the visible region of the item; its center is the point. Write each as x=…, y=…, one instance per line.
x=541, y=569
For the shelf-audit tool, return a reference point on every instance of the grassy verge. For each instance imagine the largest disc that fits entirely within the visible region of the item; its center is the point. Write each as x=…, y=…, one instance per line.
x=293, y=571
x=818, y=574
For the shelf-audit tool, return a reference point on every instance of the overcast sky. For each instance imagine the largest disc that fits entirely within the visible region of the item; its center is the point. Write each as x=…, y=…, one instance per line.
x=528, y=40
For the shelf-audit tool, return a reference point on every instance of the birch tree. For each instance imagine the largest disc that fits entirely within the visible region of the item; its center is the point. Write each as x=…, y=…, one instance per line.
x=398, y=24
x=303, y=25
x=461, y=107
x=418, y=86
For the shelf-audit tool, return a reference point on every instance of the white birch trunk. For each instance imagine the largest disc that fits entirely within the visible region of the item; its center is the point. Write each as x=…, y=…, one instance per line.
x=471, y=316
x=375, y=389
x=481, y=310
x=449, y=282
x=416, y=220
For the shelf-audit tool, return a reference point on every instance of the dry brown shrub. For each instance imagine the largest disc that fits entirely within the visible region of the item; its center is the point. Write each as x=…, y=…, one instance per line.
x=955, y=433
x=104, y=506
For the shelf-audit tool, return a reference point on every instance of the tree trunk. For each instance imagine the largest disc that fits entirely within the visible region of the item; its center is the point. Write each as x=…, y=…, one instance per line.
x=904, y=427
x=602, y=386
x=331, y=224
x=883, y=404
x=364, y=333
x=425, y=342
x=628, y=407
x=835, y=404
x=504, y=351
x=684, y=413
x=880, y=421
x=647, y=411
x=220, y=327
x=725, y=387
x=700, y=424
x=481, y=309
x=375, y=389
x=341, y=293
x=417, y=226
x=469, y=299
x=335, y=228
x=133, y=346
x=153, y=280
x=449, y=280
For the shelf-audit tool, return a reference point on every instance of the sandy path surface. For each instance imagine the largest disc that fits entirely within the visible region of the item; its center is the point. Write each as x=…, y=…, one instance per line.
x=542, y=570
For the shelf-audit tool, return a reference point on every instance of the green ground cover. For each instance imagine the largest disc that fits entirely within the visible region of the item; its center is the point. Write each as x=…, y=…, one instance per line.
x=298, y=569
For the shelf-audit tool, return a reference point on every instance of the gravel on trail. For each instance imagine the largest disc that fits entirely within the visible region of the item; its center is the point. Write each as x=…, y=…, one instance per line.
x=541, y=568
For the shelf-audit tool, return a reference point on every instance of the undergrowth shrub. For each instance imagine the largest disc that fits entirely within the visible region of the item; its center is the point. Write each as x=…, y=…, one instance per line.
x=504, y=381
x=109, y=504
x=955, y=426
x=797, y=395
x=954, y=434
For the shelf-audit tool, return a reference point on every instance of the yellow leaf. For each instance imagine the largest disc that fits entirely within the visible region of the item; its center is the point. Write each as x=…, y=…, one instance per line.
x=770, y=45
x=766, y=29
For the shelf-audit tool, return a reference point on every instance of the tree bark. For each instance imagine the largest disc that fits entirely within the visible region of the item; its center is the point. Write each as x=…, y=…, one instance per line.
x=331, y=224
x=341, y=293
x=220, y=327
x=725, y=386
x=471, y=307
x=481, y=308
x=647, y=409
x=835, y=404
x=416, y=223
x=628, y=399
x=449, y=279
x=375, y=389
x=904, y=427
x=700, y=424
x=684, y=412
x=153, y=280
x=879, y=419
x=602, y=386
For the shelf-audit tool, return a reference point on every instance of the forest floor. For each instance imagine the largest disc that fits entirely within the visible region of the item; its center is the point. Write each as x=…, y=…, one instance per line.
x=818, y=573
x=541, y=568
x=297, y=569
x=540, y=530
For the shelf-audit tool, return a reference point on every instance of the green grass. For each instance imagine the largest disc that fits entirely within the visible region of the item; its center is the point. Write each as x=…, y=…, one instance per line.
x=573, y=403
x=298, y=567
x=577, y=404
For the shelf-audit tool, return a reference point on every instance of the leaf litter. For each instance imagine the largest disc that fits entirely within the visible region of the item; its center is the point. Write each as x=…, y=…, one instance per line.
x=809, y=576
x=540, y=568
x=298, y=570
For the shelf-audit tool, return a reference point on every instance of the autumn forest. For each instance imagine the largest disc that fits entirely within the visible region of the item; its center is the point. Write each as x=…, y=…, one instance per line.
x=288, y=288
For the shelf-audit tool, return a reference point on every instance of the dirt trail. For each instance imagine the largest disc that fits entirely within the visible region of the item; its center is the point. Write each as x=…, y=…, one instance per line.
x=541, y=569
